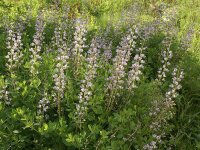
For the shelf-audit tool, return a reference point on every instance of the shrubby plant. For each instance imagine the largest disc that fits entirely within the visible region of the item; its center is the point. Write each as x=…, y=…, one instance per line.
x=89, y=92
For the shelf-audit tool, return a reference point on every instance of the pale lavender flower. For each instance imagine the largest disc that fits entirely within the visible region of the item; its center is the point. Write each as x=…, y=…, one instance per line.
x=157, y=128
x=166, y=57
x=4, y=95
x=59, y=76
x=106, y=47
x=116, y=80
x=62, y=58
x=129, y=15
x=172, y=93
x=107, y=53
x=163, y=111
x=59, y=39
x=186, y=40
x=14, y=55
x=78, y=43
x=151, y=146
x=135, y=72
x=43, y=106
x=36, y=45
x=146, y=31
x=168, y=21
x=87, y=83
x=149, y=30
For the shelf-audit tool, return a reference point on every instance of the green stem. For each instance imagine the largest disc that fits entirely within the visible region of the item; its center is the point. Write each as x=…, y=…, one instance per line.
x=59, y=107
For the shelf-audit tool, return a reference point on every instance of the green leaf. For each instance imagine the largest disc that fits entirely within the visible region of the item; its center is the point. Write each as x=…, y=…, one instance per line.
x=27, y=65
x=104, y=134
x=70, y=138
x=25, y=91
x=45, y=126
x=36, y=82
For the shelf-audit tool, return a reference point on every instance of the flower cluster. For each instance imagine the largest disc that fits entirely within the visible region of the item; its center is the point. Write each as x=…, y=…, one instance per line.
x=60, y=78
x=151, y=146
x=106, y=47
x=163, y=111
x=156, y=125
x=61, y=66
x=14, y=45
x=135, y=72
x=187, y=39
x=145, y=31
x=36, y=45
x=169, y=18
x=79, y=42
x=86, y=86
x=128, y=16
x=172, y=93
x=107, y=53
x=116, y=80
x=59, y=39
x=149, y=30
x=4, y=95
x=43, y=106
x=166, y=57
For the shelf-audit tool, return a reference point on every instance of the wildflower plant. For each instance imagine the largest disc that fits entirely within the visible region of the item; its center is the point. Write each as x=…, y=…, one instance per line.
x=36, y=46
x=14, y=55
x=116, y=80
x=135, y=72
x=87, y=83
x=4, y=94
x=89, y=91
x=107, y=54
x=166, y=57
x=60, y=80
x=14, y=59
x=163, y=111
x=43, y=106
x=78, y=44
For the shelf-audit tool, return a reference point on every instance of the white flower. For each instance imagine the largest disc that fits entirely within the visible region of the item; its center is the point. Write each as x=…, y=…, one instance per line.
x=86, y=84
x=36, y=45
x=116, y=80
x=135, y=72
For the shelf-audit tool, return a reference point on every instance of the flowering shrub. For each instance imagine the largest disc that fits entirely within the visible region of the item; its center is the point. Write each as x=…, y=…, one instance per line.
x=89, y=92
